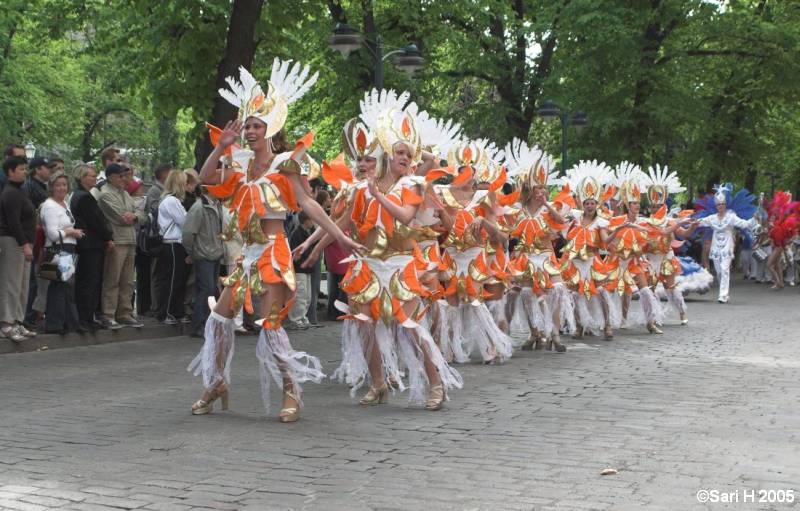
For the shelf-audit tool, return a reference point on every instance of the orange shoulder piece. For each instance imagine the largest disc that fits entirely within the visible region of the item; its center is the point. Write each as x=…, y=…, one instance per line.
x=214, y=133
x=617, y=221
x=499, y=182
x=462, y=178
x=337, y=172
x=287, y=191
x=409, y=198
x=507, y=200
x=565, y=197
x=435, y=174
x=227, y=188
x=303, y=145
x=684, y=213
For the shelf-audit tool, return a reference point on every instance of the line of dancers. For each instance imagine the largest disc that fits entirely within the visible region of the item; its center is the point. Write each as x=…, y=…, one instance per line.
x=453, y=245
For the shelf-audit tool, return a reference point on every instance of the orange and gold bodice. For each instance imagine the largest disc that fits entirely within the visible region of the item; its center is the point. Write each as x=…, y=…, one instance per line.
x=629, y=241
x=461, y=237
x=268, y=197
x=379, y=230
x=536, y=231
x=584, y=241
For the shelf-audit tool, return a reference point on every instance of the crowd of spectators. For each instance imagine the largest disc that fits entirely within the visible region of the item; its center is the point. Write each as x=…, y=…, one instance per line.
x=91, y=222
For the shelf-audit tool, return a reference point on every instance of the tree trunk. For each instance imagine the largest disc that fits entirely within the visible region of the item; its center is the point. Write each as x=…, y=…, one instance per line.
x=240, y=48
x=167, y=141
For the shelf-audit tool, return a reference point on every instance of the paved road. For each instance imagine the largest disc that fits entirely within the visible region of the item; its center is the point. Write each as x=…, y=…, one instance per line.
x=710, y=406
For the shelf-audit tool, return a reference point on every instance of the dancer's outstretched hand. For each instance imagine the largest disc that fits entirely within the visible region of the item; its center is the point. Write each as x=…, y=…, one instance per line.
x=230, y=133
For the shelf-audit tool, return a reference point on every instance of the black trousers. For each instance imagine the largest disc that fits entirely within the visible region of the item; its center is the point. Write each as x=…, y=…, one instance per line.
x=171, y=278
x=61, y=313
x=143, y=301
x=335, y=293
x=89, y=283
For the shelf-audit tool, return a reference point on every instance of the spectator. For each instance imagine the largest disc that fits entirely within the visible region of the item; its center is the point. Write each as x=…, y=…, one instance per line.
x=61, y=313
x=152, y=200
x=192, y=193
x=56, y=165
x=120, y=211
x=297, y=316
x=35, y=188
x=334, y=253
x=11, y=150
x=17, y=228
x=107, y=157
x=91, y=248
x=203, y=243
x=136, y=190
x=173, y=258
x=323, y=198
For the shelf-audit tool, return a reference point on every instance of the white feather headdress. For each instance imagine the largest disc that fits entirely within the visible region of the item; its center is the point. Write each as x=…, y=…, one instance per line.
x=660, y=182
x=530, y=165
x=286, y=85
x=436, y=134
x=588, y=179
x=629, y=180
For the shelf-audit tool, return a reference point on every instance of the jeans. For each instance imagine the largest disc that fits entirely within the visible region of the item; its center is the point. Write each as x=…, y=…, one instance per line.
x=335, y=293
x=206, y=277
x=61, y=314
x=172, y=273
x=298, y=313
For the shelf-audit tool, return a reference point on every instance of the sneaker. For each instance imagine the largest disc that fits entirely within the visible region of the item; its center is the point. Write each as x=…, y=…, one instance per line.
x=241, y=330
x=131, y=323
x=110, y=324
x=170, y=321
x=12, y=333
x=24, y=331
x=186, y=319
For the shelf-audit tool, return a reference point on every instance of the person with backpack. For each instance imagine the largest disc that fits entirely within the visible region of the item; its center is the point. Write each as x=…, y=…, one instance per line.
x=173, y=258
x=91, y=248
x=151, y=202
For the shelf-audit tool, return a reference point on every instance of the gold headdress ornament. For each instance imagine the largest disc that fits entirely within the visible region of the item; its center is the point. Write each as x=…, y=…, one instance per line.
x=660, y=182
x=530, y=166
x=285, y=86
x=359, y=142
x=392, y=119
x=629, y=181
x=489, y=168
x=589, y=180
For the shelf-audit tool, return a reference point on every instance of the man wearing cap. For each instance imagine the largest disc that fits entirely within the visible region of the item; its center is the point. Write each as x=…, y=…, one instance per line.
x=122, y=215
x=35, y=187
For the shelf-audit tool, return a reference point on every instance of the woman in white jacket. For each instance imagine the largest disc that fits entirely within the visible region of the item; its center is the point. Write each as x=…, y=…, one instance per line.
x=173, y=258
x=61, y=312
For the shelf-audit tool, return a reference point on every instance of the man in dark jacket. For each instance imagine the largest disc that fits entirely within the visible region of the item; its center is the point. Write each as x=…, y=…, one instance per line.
x=35, y=187
x=91, y=248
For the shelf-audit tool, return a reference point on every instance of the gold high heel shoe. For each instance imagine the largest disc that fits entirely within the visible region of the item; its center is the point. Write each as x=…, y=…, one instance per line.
x=608, y=334
x=290, y=413
x=393, y=384
x=684, y=319
x=376, y=396
x=528, y=345
x=540, y=343
x=578, y=333
x=653, y=329
x=436, y=398
x=203, y=407
x=555, y=342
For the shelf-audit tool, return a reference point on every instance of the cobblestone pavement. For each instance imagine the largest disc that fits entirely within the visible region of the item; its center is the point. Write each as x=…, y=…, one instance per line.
x=713, y=405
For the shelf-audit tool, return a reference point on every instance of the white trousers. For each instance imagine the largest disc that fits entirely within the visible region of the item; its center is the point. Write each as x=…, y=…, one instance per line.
x=298, y=313
x=723, y=269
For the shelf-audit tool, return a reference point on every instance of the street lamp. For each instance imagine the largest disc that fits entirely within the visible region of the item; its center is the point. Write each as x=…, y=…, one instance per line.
x=30, y=150
x=549, y=111
x=346, y=39
x=771, y=176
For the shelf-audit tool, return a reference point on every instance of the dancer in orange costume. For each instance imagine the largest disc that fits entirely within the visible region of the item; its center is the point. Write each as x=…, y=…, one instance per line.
x=628, y=240
x=664, y=266
x=469, y=232
x=263, y=183
x=544, y=299
x=386, y=288
x=585, y=271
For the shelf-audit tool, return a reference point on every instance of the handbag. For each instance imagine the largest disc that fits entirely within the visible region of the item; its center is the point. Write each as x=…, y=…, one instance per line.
x=58, y=264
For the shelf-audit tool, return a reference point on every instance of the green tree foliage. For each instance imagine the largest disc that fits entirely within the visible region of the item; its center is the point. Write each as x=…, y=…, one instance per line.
x=708, y=87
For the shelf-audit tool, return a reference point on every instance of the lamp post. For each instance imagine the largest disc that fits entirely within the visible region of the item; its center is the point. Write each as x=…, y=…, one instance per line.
x=346, y=39
x=549, y=111
x=30, y=150
x=771, y=176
